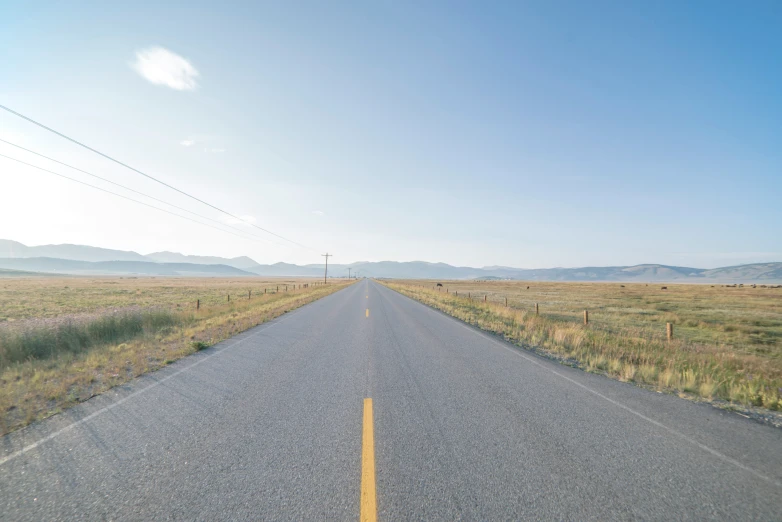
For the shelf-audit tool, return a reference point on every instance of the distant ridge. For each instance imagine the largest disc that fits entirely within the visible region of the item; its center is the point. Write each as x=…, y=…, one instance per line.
x=174, y=257
x=50, y=265
x=646, y=273
x=13, y=249
x=59, y=259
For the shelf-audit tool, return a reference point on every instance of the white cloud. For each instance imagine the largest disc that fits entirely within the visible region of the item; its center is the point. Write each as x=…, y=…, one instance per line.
x=245, y=220
x=318, y=212
x=162, y=67
x=187, y=143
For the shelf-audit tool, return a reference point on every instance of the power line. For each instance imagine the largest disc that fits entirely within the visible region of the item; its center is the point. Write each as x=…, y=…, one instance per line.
x=125, y=197
x=147, y=175
x=133, y=190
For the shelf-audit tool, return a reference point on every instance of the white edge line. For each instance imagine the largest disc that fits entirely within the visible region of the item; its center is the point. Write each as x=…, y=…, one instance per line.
x=598, y=394
x=113, y=405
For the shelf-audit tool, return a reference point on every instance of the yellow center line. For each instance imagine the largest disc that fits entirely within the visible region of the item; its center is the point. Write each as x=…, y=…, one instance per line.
x=367, y=312
x=368, y=500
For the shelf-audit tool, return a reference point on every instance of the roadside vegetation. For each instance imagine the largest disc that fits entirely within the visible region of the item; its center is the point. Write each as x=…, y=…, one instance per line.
x=727, y=342
x=65, y=340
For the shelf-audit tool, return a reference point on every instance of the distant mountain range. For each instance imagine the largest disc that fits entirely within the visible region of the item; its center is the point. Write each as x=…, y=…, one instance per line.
x=242, y=262
x=50, y=265
x=14, y=249
x=80, y=259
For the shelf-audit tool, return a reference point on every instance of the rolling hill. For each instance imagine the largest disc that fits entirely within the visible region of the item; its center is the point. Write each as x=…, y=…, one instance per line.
x=81, y=259
x=70, y=267
x=647, y=273
x=242, y=262
x=14, y=249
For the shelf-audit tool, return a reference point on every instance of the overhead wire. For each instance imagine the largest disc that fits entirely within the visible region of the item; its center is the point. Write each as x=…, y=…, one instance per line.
x=128, y=198
x=134, y=191
x=34, y=122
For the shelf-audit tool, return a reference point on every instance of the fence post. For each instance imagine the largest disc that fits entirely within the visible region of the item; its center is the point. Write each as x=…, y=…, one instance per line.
x=506, y=301
x=229, y=298
x=264, y=290
x=249, y=294
x=484, y=298
x=278, y=288
x=198, y=304
x=669, y=331
x=537, y=310
x=586, y=317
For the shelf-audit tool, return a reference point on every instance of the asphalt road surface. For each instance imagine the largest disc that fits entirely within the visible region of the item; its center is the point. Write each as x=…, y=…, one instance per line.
x=271, y=425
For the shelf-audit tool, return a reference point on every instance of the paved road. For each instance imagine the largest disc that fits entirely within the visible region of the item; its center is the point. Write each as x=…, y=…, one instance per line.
x=268, y=426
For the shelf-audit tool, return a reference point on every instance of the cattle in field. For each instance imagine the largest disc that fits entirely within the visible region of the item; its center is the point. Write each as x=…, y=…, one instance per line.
x=664, y=288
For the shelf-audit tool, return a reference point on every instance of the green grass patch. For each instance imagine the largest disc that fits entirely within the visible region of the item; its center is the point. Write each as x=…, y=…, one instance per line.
x=41, y=342
x=91, y=334
x=199, y=345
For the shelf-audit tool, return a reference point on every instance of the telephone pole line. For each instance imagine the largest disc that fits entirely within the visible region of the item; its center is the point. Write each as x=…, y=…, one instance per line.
x=348, y=273
x=326, y=273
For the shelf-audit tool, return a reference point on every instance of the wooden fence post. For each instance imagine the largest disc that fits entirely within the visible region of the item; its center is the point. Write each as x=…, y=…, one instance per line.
x=506, y=302
x=264, y=290
x=198, y=304
x=586, y=317
x=229, y=298
x=249, y=294
x=537, y=310
x=484, y=298
x=669, y=331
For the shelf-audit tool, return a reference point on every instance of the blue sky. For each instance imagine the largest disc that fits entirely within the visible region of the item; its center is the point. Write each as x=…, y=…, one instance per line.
x=529, y=134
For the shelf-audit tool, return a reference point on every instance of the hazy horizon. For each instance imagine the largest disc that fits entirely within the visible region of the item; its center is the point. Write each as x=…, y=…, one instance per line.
x=524, y=135
x=390, y=260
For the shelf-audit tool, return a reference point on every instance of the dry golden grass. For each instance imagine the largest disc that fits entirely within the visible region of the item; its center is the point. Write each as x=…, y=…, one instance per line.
x=37, y=388
x=727, y=341
x=47, y=297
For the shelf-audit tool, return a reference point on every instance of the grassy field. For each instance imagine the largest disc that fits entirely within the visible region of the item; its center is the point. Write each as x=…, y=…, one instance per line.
x=44, y=297
x=727, y=341
x=64, y=340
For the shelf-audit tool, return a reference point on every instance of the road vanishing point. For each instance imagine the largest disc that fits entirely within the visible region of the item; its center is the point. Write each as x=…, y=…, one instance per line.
x=367, y=405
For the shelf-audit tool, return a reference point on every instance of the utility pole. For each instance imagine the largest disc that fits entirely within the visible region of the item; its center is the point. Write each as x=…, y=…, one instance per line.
x=348, y=273
x=326, y=273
